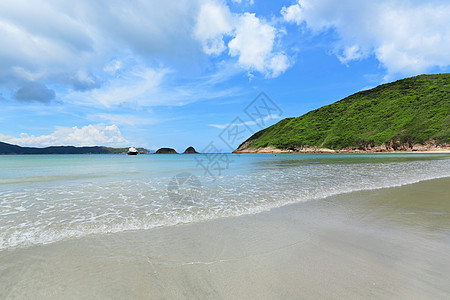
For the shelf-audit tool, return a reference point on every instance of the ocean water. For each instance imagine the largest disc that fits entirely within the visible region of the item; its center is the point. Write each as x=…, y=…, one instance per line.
x=50, y=198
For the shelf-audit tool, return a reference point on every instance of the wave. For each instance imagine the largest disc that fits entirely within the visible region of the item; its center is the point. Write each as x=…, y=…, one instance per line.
x=60, y=212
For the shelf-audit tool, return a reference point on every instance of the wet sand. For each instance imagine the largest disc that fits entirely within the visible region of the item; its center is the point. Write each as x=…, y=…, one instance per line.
x=390, y=243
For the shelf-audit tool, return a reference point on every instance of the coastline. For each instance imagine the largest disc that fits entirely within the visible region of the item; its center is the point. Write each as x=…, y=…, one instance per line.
x=346, y=150
x=385, y=243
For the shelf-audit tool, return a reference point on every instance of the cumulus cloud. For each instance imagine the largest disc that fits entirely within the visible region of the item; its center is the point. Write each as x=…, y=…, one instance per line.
x=89, y=47
x=279, y=63
x=292, y=14
x=34, y=91
x=252, y=39
x=213, y=21
x=253, y=43
x=74, y=44
x=91, y=135
x=407, y=37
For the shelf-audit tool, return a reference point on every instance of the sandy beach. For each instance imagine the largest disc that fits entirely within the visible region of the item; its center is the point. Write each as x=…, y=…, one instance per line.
x=388, y=243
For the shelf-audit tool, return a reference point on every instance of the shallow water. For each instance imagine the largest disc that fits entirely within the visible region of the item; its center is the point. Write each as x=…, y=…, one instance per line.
x=379, y=244
x=50, y=198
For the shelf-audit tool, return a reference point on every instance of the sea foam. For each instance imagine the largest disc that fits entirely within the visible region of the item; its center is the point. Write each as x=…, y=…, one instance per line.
x=57, y=210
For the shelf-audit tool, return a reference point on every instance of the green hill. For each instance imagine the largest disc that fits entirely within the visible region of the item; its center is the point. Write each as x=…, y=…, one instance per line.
x=14, y=149
x=410, y=111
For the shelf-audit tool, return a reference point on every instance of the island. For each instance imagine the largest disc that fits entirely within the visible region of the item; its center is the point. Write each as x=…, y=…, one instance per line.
x=166, y=151
x=190, y=150
x=411, y=114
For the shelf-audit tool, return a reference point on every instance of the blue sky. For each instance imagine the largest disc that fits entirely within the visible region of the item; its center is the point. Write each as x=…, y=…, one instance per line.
x=181, y=73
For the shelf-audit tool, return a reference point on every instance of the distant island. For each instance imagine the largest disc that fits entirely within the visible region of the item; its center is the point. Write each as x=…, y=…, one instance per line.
x=190, y=150
x=411, y=114
x=166, y=151
x=14, y=149
x=6, y=148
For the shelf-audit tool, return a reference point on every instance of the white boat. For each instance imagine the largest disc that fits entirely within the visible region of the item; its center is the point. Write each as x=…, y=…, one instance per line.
x=132, y=151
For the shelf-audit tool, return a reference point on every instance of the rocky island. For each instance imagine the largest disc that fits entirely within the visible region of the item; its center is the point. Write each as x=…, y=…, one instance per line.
x=166, y=151
x=190, y=150
x=411, y=114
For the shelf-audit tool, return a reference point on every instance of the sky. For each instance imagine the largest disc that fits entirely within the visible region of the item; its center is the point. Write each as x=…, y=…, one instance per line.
x=202, y=73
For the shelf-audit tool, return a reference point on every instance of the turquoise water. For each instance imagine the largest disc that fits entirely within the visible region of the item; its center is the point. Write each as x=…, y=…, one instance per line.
x=49, y=198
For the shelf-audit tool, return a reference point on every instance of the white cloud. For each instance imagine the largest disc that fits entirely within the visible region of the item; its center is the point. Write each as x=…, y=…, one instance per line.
x=250, y=2
x=252, y=39
x=350, y=53
x=64, y=43
x=407, y=37
x=113, y=66
x=292, y=14
x=91, y=135
x=83, y=81
x=135, y=86
x=88, y=51
x=38, y=41
x=278, y=64
x=253, y=42
x=214, y=20
x=145, y=87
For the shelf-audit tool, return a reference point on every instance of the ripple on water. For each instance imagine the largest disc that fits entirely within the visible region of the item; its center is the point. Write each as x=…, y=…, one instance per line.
x=55, y=212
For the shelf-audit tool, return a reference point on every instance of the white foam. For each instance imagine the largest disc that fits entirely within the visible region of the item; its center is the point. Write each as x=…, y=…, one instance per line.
x=73, y=210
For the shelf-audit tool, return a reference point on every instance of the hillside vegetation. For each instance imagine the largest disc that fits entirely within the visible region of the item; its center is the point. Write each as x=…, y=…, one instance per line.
x=411, y=111
x=14, y=149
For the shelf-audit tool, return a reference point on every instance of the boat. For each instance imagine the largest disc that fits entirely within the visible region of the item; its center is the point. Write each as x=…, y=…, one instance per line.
x=132, y=151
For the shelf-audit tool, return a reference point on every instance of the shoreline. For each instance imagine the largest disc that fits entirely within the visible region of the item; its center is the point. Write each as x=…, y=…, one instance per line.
x=384, y=243
x=206, y=220
x=326, y=150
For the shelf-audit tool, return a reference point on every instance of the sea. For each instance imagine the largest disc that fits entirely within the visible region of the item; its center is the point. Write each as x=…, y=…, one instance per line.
x=46, y=199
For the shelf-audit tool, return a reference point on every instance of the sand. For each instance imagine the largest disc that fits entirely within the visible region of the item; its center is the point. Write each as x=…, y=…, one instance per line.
x=390, y=243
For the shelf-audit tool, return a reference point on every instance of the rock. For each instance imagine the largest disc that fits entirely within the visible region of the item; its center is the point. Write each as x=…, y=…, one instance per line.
x=395, y=143
x=190, y=150
x=166, y=151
